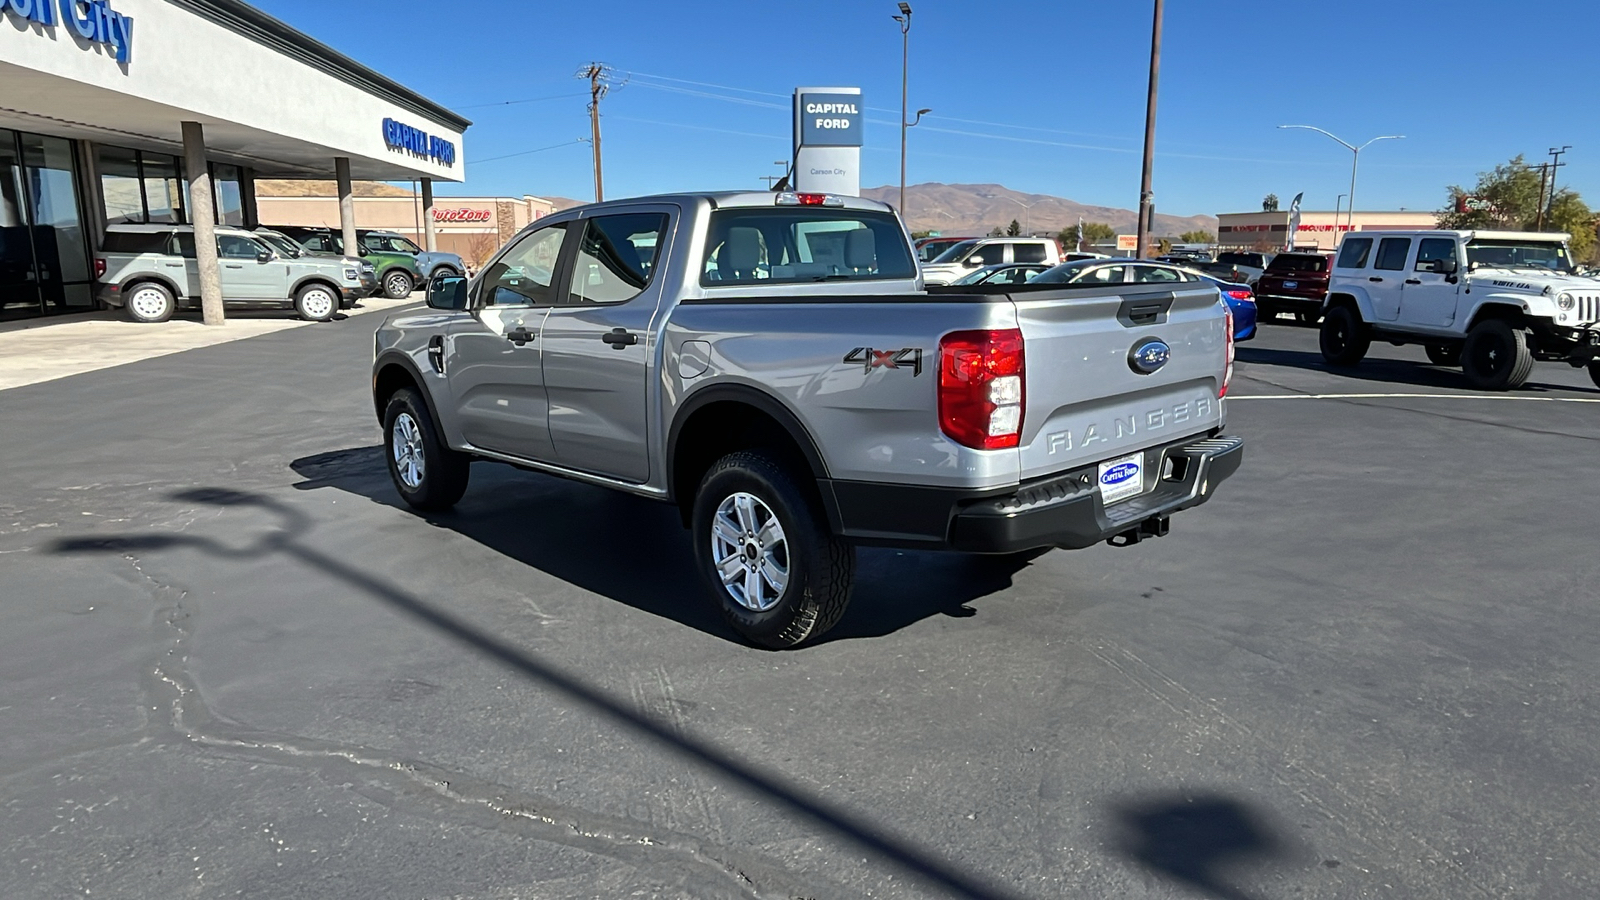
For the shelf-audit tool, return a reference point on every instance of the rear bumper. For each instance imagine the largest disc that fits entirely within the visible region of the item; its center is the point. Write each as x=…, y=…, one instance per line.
x=1290, y=301
x=1059, y=511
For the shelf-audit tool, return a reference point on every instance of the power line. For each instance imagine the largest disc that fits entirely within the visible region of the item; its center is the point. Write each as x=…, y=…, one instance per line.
x=526, y=152
x=529, y=100
x=600, y=82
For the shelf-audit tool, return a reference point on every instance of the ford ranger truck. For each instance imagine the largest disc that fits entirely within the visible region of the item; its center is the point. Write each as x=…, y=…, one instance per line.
x=771, y=364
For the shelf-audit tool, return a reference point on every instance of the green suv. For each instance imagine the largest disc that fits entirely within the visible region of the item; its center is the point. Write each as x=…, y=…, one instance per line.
x=398, y=273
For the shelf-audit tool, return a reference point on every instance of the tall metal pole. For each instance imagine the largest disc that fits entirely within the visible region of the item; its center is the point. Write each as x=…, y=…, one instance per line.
x=596, y=74
x=1549, y=210
x=905, y=63
x=1145, y=196
x=1355, y=158
x=1355, y=152
x=1338, y=203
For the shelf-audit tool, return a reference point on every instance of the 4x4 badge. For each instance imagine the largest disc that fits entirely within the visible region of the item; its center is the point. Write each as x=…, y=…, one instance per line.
x=870, y=359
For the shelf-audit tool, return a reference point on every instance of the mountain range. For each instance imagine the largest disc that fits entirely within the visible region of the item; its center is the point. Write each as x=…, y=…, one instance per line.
x=975, y=209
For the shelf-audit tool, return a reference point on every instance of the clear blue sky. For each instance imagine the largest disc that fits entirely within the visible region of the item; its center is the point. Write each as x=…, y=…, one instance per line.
x=1040, y=96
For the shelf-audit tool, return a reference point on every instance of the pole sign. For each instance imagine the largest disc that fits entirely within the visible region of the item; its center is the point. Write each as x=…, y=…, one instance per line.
x=93, y=20
x=415, y=141
x=1127, y=242
x=828, y=127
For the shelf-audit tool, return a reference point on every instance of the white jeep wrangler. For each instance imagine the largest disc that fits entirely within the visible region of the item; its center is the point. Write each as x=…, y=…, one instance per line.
x=1491, y=302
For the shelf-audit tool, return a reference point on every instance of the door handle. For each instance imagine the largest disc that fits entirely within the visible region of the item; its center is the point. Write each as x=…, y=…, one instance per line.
x=233, y=265
x=619, y=338
x=436, y=353
x=1413, y=281
x=1374, y=278
x=521, y=336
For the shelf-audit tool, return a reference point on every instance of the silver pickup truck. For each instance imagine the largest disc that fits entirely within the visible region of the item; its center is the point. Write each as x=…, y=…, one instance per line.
x=771, y=363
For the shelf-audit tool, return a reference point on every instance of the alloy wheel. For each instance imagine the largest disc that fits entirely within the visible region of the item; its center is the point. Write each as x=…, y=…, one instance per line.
x=750, y=551
x=409, y=461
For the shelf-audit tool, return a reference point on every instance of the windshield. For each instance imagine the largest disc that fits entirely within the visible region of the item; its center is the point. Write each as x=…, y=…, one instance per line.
x=282, y=244
x=778, y=245
x=390, y=243
x=1067, y=273
x=954, y=254
x=1512, y=254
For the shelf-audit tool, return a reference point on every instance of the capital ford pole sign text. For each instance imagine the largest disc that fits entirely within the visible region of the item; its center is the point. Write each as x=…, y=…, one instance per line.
x=94, y=21
x=827, y=140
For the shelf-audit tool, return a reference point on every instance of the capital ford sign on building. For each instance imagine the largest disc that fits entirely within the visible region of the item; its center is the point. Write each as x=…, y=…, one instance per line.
x=93, y=20
x=400, y=136
x=827, y=140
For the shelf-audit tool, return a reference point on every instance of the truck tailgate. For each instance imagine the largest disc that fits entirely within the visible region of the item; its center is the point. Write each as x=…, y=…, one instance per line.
x=1086, y=401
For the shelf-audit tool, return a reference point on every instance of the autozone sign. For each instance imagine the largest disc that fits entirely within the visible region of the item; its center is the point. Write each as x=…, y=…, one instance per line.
x=461, y=215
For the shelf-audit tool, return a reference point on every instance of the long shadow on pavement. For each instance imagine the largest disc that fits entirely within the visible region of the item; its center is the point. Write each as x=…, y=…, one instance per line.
x=286, y=541
x=1196, y=840
x=637, y=552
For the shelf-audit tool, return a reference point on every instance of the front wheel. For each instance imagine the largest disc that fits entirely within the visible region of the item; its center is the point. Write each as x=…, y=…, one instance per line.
x=1594, y=373
x=1344, y=338
x=428, y=474
x=1448, y=355
x=765, y=553
x=1496, y=356
x=316, y=302
x=397, y=285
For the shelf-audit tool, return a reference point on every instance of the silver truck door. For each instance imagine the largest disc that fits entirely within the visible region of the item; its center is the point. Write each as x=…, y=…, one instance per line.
x=492, y=360
x=597, y=345
x=1429, y=298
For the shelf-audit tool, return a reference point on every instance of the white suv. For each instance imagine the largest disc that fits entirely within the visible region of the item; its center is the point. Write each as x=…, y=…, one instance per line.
x=1491, y=302
x=977, y=253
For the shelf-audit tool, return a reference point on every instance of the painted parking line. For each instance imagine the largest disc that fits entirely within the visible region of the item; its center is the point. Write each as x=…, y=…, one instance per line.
x=1233, y=397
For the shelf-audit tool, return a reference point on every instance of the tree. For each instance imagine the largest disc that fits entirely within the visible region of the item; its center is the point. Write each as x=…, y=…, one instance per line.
x=997, y=231
x=1163, y=246
x=1014, y=229
x=1509, y=197
x=1198, y=236
x=919, y=235
x=1269, y=203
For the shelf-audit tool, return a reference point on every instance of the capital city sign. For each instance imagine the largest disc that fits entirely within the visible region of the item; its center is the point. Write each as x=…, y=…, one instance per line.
x=400, y=136
x=94, y=21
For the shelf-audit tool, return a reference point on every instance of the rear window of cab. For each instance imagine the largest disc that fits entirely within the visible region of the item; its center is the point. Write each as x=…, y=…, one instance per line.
x=788, y=245
x=1298, y=263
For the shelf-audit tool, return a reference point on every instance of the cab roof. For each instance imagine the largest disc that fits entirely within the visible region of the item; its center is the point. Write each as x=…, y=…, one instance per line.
x=1468, y=233
x=735, y=199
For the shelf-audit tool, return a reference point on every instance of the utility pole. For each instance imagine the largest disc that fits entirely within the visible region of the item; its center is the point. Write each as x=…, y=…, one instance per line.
x=599, y=75
x=1538, y=218
x=774, y=179
x=1556, y=163
x=1145, y=195
x=905, y=56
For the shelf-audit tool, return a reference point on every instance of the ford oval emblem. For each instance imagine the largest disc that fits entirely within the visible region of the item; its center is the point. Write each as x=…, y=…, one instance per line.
x=1119, y=473
x=1148, y=356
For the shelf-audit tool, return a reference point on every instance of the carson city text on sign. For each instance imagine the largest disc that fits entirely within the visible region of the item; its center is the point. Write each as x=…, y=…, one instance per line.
x=93, y=20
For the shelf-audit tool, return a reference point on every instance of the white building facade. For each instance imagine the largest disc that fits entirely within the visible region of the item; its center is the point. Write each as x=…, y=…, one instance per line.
x=1318, y=230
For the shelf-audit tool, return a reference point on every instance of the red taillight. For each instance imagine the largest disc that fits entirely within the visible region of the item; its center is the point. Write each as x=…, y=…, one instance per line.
x=1227, y=373
x=1241, y=295
x=981, y=388
x=99, y=267
x=811, y=199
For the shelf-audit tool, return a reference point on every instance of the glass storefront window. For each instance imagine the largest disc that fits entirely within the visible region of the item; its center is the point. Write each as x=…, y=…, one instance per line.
x=19, y=294
x=44, y=253
x=229, y=199
x=163, y=197
x=119, y=185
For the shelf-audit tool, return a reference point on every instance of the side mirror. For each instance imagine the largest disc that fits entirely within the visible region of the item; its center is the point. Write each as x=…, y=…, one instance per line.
x=1443, y=266
x=447, y=292
x=972, y=262
x=264, y=256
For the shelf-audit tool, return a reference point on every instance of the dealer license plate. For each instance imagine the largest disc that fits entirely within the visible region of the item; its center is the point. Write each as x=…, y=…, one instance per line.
x=1291, y=285
x=1121, y=478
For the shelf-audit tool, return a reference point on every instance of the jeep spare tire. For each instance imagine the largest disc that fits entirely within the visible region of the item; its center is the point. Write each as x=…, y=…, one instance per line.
x=1496, y=356
x=765, y=553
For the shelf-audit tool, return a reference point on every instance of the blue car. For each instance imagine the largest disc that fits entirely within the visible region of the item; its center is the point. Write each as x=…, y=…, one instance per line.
x=1239, y=296
x=1242, y=300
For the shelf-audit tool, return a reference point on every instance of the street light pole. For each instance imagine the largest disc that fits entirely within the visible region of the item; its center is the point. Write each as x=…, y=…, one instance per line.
x=1350, y=214
x=905, y=60
x=1338, y=202
x=1026, y=208
x=1145, y=196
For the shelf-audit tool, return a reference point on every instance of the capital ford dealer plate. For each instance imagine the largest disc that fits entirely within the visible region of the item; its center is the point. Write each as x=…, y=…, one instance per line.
x=1291, y=285
x=1121, y=478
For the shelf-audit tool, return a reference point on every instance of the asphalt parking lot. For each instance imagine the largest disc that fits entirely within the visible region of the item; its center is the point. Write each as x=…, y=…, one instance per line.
x=235, y=667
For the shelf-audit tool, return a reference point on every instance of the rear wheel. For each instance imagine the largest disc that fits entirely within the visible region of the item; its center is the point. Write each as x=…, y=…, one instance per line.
x=1594, y=372
x=397, y=285
x=316, y=302
x=1344, y=339
x=428, y=474
x=149, y=302
x=765, y=552
x=1496, y=356
x=1444, y=354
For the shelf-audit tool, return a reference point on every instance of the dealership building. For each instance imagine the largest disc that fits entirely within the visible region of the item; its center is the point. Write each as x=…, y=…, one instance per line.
x=1318, y=230
x=167, y=111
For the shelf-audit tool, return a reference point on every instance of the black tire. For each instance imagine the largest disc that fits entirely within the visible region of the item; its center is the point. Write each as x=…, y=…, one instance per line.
x=149, y=302
x=1496, y=356
x=1344, y=338
x=440, y=477
x=1594, y=373
x=397, y=284
x=446, y=271
x=1448, y=355
x=316, y=302
x=818, y=567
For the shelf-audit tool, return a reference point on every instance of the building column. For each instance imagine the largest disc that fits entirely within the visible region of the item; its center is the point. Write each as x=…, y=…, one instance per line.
x=432, y=243
x=93, y=198
x=247, y=197
x=203, y=215
x=347, y=206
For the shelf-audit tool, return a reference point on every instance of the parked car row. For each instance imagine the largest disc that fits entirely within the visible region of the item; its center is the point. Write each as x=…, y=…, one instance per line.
x=151, y=271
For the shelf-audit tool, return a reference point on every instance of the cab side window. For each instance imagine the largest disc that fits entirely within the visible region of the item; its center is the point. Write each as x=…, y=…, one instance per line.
x=1353, y=255
x=231, y=246
x=989, y=254
x=1433, y=249
x=525, y=275
x=615, y=257
x=1028, y=253
x=1154, y=275
x=1392, y=253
